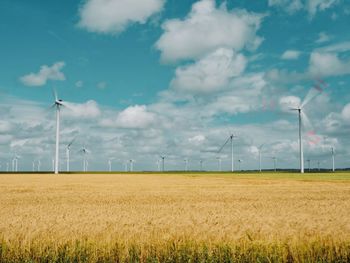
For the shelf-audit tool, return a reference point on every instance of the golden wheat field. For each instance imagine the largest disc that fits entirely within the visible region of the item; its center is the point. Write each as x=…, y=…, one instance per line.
x=175, y=218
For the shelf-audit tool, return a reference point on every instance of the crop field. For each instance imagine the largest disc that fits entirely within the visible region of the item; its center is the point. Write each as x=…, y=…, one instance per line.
x=269, y=217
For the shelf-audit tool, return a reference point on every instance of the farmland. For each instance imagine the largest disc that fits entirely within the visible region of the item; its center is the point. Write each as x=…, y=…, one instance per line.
x=175, y=217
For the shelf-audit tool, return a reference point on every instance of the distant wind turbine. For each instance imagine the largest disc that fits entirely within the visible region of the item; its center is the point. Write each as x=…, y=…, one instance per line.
x=260, y=150
x=333, y=159
x=84, y=152
x=68, y=154
x=303, y=119
x=163, y=160
x=230, y=138
x=219, y=163
x=186, y=164
x=57, y=104
x=131, y=164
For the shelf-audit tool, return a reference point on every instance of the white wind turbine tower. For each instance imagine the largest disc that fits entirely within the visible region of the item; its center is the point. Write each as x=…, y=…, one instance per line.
x=53, y=164
x=131, y=165
x=333, y=159
x=158, y=165
x=239, y=164
x=219, y=163
x=274, y=158
x=230, y=138
x=303, y=119
x=186, y=164
x=201, y=164
x=84, y=152
x=260, y=150
x=15, y=163
x=110, y=164
x=57, y=104
x=68, y=154
x=39, y=164
x=163, y=160
x=7, y=167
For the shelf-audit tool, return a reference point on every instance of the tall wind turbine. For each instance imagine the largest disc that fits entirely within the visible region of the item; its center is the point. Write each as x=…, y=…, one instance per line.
x=163, y=160
x=274, y=158
x=110, y=164
x=303, y=119
x=84, y=152
x=201, y=164
x=68, y=154
x=239, y=164
x=186, y=164
x=219, y=163
x=230, y=138
x=309, y=164
x=57, y=104
x=333, y=159
x=131, y=164
x=260, y=150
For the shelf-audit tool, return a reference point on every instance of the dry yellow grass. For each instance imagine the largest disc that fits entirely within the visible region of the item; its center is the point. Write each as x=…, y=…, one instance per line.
x=157, y=209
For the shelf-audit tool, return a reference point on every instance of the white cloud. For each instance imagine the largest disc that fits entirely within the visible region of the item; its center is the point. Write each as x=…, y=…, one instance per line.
x=323, y=37
x=311, y=6
x=79, y=84
x=135, y=117
x=197, y=139
x=207, y=28
x=46, y=73
x=290, y=6
x=327, y=64
x=102, y=85
x=290, y=54
x=288, y=102
x=346, y=113
x=113, y=16
x=339, y=47
x=211, y=73
x=89, y=109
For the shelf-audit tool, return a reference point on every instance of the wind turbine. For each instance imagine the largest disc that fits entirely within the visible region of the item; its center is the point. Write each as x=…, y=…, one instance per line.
x=333, y=159
x=57, y=104
x=84, y=151
x=239, y=164
x=260, y=150
x=7, y=167
x=68, y=154
x=201, y=164
x=131, y=164
x=15, y=163
x=110, y=164
x=33, y=166
x=274, y=158
x=158, y=165
x=230, y=138
x=186, y=164
x=39, y=164
x=163, y=159
x=302, y=117
x=219, y=163
x=309, y=164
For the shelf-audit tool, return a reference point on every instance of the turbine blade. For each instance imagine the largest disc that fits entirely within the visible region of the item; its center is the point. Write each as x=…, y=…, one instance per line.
x=54, y=93
x=306, y=122
x=313, y=93
x=222, y=147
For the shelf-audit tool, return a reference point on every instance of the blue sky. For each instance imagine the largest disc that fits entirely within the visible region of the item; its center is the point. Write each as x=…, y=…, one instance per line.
x=162, y=77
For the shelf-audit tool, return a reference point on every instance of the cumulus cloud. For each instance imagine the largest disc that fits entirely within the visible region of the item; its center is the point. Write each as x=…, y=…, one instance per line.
x=311, y=6
x=346, y=113
x=288, y=102
x=205, y=29
x=290, y=54
x=45, y=73
x=135, y=117
x=89, y=109
x=327, y=64
x=211, y=73
x=323, y=37
x=114, y=16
